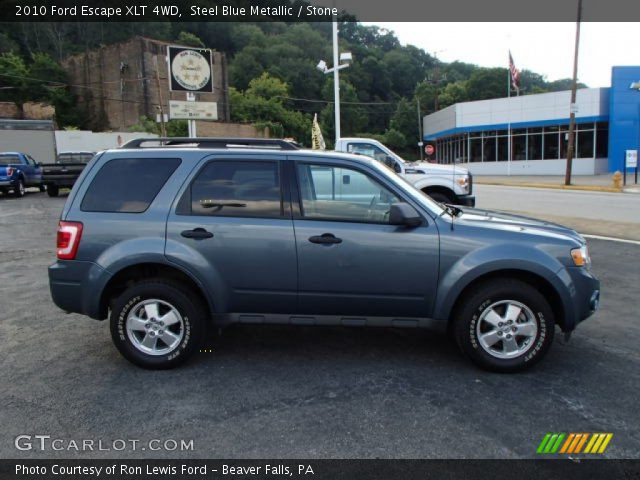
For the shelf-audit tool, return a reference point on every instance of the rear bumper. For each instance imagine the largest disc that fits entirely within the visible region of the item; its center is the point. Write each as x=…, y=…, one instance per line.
x=61, y=181
x=466, y=200
x=7, y=183
x=71, y=282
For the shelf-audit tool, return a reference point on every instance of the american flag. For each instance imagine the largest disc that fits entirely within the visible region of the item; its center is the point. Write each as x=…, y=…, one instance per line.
x=515, y=74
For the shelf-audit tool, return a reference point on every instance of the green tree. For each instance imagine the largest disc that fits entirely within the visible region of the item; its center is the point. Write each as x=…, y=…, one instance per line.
x=263, y=104
x=487, y=83
x=14, y=80
x=189, y=39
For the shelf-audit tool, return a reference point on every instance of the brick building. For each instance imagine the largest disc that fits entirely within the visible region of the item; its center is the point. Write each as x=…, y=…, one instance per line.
x=117, y=84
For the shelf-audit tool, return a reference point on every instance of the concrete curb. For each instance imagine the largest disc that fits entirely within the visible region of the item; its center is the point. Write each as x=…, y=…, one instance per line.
x=590, y=188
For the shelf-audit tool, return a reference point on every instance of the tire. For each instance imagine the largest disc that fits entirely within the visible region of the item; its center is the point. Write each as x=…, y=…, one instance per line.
x=134, y=337
x=19, y=190
x=53, y=190
x=440, y=197
x=484, y=312
x=42, y=187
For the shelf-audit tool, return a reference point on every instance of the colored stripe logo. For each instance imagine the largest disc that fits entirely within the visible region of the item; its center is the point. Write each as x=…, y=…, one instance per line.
x=572, y=443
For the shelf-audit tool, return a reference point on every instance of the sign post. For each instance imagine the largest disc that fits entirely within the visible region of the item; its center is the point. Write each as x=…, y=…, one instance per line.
x=631, y=161
x=190, y=71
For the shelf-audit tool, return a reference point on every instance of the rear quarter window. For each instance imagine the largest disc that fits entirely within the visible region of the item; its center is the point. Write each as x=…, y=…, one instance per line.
x=127, y=185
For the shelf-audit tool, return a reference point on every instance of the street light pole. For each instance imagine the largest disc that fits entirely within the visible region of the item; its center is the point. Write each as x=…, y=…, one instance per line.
x=336, y=79
x=574, y=86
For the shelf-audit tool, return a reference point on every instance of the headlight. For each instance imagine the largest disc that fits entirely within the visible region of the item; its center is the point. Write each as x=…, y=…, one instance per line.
x=581, y=256
x=463, y=182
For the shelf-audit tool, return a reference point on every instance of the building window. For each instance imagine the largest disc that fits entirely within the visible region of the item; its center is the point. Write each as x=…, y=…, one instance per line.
x=551, y=143
x=535, y=147
x=585, y=144
x=602, y=140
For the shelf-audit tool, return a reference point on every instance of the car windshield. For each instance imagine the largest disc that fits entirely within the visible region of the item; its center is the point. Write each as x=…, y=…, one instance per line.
x=416, y=194
x=75, y=157
x=8, y=159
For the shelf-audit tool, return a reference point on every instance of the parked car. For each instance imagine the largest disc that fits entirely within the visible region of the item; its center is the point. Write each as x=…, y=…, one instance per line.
x=444, y=183
x=172, y=239
x=65, y=172
x=19, y=171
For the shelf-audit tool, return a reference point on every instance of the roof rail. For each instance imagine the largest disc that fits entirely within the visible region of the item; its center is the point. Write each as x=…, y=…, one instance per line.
x=214, y=142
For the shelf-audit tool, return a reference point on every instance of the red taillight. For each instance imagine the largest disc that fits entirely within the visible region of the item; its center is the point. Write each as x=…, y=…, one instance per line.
x=69, y=234
x=10, y=171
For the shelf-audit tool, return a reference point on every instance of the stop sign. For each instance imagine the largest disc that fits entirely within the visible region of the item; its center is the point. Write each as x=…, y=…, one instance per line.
x=429, y=149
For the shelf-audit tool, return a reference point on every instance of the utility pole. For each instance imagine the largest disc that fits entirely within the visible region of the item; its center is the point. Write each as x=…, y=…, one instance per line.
x=163, y=130
x=420, y=140
x=574, y=86
x=336, y=79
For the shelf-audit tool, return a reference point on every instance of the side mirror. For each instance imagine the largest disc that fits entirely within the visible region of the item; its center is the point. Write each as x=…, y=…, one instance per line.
x=404, y=214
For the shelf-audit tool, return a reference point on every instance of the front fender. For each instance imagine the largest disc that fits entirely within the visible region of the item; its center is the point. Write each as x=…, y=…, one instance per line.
x=491, y=259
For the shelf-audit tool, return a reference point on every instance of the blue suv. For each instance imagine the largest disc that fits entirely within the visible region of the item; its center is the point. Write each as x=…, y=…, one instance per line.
x=170, y=237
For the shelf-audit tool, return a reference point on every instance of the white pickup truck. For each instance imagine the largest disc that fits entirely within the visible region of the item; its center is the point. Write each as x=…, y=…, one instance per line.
x=443, y=183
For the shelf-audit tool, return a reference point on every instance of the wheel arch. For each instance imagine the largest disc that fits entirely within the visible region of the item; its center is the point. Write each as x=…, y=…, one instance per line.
x=130, y=274
x=542, y=284
x=440, y=189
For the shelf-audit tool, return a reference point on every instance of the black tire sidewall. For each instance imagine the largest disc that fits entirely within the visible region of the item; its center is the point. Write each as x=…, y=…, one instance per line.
x=53, y=191
x=17, y=191
x=190, y=310
x=469, y=315
x=439, y=197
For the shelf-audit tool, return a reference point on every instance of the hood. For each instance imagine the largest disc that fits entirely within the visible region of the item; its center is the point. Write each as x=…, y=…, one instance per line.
x=436, y=168
x=511, y=222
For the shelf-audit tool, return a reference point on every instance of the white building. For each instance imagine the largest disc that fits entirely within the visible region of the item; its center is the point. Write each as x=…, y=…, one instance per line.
x=477, y=133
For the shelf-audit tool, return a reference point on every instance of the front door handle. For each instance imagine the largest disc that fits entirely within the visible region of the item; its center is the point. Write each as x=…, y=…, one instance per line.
x=197, y=233
x=325, y=239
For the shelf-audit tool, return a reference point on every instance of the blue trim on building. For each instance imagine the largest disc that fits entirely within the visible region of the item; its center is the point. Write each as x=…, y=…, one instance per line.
x=504, y=126
x=624, y=113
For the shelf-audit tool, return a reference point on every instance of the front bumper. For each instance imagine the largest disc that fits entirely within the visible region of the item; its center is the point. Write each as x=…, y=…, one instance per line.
x=586, y=297
x=466, y=200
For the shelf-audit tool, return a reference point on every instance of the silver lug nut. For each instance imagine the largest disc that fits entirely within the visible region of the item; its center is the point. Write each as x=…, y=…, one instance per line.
x=152, y=334
x=147, y=326
x=508, y=336
x=499, y=333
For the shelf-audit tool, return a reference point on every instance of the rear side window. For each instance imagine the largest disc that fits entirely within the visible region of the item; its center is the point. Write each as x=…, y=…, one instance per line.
x=128, y=185
x=237, y=189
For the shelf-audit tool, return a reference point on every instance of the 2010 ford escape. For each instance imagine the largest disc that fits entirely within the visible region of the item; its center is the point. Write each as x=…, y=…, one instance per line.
x=171, y=238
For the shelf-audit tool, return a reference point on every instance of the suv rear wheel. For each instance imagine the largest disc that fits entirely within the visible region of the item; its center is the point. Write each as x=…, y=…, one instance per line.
x=156, y=324
x=504, y=325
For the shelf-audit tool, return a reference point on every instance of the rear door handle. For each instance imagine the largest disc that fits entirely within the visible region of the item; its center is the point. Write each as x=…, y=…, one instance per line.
x=197, y=233
x=325, y=238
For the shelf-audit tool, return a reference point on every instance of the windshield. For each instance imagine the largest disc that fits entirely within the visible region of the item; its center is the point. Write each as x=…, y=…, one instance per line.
x=6, y=159
x=75, y=157
x=408, y=188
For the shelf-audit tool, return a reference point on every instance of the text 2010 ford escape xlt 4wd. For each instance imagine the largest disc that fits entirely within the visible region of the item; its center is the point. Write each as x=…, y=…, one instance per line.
x=171, y=239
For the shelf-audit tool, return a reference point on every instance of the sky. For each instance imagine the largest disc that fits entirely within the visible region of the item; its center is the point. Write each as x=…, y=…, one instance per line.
x=545, y=48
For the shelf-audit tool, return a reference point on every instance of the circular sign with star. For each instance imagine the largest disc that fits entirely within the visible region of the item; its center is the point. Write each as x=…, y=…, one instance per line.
x=190, y=69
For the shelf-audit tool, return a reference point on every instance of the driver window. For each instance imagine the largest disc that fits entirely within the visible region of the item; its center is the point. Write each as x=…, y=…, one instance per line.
x=343, y=194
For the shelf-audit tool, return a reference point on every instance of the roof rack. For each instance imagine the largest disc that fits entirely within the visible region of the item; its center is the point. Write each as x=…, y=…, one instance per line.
x=213, y=142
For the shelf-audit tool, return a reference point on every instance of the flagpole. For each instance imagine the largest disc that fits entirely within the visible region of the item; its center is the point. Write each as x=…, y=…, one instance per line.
x=509, y=115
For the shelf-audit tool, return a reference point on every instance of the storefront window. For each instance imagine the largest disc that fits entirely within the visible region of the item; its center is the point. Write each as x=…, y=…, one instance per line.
x=535, y=147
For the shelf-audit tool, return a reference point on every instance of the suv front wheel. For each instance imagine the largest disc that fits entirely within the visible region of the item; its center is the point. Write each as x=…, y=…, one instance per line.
x=504, y=325
x=156, y=324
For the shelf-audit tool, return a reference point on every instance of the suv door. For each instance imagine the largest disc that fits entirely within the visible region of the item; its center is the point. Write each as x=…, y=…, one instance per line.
x=351, y=261
x=233, y=228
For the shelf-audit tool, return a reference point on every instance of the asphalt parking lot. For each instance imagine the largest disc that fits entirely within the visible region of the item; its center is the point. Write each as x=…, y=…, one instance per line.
x=287, y=392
